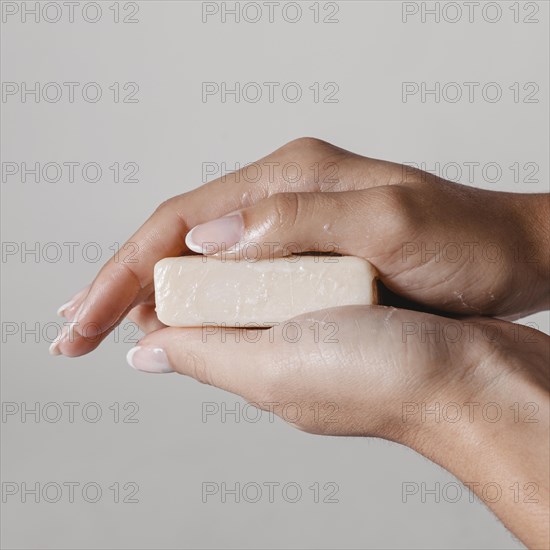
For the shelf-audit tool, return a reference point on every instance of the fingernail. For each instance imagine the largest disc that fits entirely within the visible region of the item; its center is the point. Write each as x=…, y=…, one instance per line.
x=70, y=311
x=78, y=312
x=65, y=306
x=72, y=302
x=208, y=238
x=149, y=360
x=54, y=346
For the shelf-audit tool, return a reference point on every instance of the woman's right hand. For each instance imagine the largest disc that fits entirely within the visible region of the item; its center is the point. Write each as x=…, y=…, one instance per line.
x=451, y=248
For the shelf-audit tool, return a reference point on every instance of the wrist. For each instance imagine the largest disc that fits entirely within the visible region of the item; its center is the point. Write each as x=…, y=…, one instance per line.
x=532, y=212
x=490, y=428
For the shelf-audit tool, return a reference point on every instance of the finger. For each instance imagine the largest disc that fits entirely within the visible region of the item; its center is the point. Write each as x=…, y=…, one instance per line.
x=237, y=358
x=145, y=317
x=359, y=223
x=77, y=339
x=203, y=354
x=72, y=344
x=69, y=308
x=262, y=366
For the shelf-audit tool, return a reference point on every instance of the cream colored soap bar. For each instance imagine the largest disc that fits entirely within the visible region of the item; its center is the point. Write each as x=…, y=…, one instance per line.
x=193, y=290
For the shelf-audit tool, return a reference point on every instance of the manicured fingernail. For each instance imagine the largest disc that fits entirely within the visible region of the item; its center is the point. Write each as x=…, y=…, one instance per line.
x=88, y=330
x=149, y=360
x=65, y=306
x=54, y=346
x=72, y=302
x=70, y=311
x=209, y=237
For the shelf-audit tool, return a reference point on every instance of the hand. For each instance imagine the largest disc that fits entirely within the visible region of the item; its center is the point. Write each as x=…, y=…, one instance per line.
x=374, y=371
x=322, y=197
x=491, y=259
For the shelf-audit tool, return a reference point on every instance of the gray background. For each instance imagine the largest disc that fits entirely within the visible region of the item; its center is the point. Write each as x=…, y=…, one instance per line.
x=169, y=452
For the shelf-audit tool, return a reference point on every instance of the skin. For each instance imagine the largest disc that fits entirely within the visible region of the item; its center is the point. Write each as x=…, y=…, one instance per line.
x=489, y=257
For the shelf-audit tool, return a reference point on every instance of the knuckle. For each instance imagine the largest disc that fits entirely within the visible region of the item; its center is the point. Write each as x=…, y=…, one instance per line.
x=128, y=271
x=166, y=206
x=399, y=208
x=304, y=143
x=198, y=369
x=286, y=207
x=170, y=209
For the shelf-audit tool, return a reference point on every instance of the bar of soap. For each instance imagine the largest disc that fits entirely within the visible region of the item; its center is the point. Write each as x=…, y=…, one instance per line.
x=191, y=291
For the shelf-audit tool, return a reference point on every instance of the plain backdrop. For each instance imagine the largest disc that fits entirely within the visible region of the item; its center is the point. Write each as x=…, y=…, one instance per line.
x=169, y=451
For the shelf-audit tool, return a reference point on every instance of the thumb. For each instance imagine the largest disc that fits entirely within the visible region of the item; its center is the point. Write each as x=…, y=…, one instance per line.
x=230, y=359
x=351, y=222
